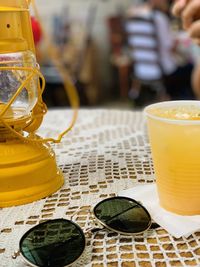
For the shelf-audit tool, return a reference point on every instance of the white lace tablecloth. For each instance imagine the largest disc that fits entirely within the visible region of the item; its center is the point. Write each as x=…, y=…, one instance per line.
x=107, y=151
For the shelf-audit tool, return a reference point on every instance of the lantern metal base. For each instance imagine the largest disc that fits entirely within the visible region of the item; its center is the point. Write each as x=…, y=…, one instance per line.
x=28, y=172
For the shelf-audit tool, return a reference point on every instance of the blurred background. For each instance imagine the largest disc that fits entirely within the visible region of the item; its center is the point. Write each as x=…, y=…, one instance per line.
x=120, y=54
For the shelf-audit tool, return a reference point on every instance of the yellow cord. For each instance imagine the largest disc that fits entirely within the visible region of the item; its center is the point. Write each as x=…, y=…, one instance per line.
x=69, y=87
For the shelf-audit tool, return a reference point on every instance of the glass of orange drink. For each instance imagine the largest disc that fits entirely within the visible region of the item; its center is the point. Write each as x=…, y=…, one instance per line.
x=174, y=133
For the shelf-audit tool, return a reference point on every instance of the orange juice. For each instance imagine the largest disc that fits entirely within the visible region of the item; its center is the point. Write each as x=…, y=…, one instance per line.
x=174, y=132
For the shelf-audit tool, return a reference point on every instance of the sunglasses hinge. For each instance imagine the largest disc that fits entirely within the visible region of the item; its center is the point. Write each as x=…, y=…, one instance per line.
x=16, y=254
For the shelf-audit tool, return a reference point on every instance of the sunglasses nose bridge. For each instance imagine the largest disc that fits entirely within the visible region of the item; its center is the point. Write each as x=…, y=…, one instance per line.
x=95, y=225
x=80, y=209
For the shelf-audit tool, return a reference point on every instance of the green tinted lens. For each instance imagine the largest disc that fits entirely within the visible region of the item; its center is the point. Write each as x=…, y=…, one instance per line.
x=123, y=214
x=55, y=243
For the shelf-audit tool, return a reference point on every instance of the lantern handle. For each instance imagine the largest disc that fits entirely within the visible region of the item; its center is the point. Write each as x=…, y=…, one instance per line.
x=33, y=71
x=39, y=112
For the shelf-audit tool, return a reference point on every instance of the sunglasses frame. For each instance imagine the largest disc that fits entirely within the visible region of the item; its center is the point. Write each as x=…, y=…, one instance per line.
x=30, y=230
x=82, y=232
x=117, y=231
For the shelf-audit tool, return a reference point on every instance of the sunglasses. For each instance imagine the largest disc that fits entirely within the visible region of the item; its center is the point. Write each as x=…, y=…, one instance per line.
x=61, y=242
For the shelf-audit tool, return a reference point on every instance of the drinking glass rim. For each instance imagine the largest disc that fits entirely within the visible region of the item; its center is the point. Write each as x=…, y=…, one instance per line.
x=172, y=103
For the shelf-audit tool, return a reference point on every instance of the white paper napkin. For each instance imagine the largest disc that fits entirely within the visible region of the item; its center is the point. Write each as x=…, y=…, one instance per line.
x=176, y=225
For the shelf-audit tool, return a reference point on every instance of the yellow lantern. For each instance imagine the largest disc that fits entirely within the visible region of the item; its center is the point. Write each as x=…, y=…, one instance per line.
x=28, y=169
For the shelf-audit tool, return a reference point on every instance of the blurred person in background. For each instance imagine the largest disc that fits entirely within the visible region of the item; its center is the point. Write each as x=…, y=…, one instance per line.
x=176, y=79
x=189, y=12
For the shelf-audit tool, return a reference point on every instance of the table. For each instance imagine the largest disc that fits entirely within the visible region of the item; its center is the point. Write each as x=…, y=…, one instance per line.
x=106, y=151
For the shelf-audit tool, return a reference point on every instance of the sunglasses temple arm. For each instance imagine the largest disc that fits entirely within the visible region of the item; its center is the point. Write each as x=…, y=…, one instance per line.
x=154, y=225
x=93, y=230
